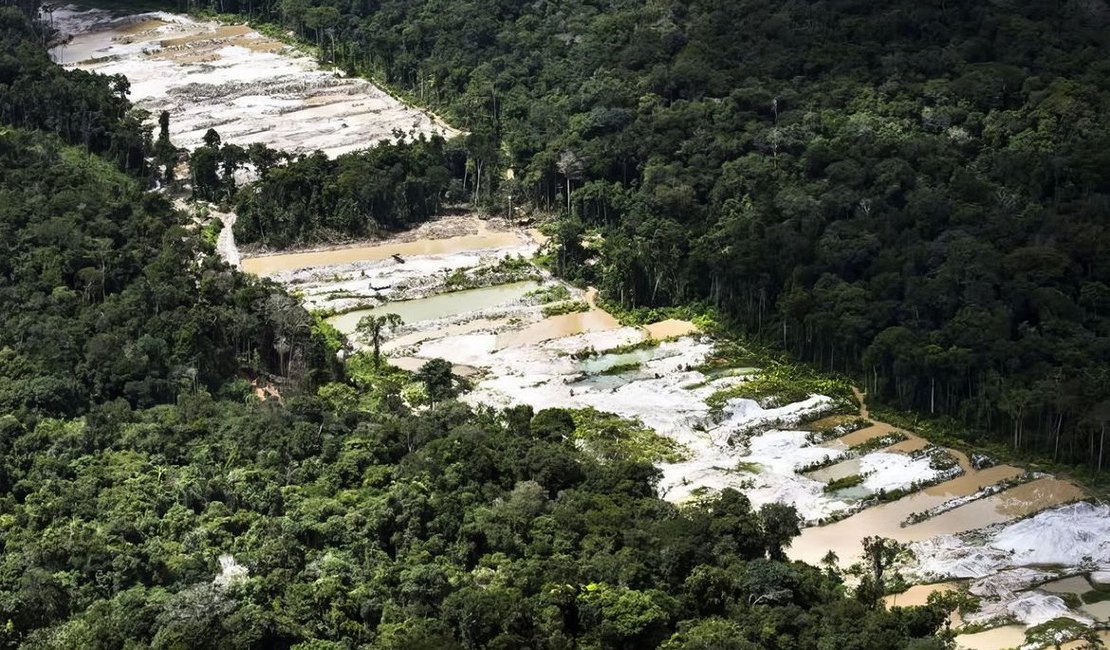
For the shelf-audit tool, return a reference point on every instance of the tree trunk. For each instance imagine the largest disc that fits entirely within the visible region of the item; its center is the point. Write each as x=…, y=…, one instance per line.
x=1101, y=446
x=568, y=195
x=1056, y=445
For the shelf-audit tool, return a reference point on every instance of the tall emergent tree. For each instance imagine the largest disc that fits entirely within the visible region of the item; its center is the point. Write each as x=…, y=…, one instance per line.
x=373, y=328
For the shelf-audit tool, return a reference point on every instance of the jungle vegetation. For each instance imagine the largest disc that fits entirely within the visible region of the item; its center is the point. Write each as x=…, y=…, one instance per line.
x=149, y=498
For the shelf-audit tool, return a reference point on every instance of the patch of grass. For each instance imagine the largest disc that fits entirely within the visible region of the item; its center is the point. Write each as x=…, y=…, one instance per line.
x=457, y=279
x=783, y=384
x=844, y=428
x=338, y=295
x=632, y=347
x=828, y=461
x=328, y=312
x=729, y=353
x=941, y=460
x=584, y=353
x=511, y=264
x=878, y=443
x=211, y=231
x=548, y=294
x=612, y=437
x=1071, y=600
x=1097, y=595
x=560, y=308
x=742, y=435
x=506, y=270
x=621, y=368
x=843, y=483
x=749, y=467
x=702, y=315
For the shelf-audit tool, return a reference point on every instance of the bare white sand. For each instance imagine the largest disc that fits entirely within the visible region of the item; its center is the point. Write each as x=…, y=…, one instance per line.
x=248, y=87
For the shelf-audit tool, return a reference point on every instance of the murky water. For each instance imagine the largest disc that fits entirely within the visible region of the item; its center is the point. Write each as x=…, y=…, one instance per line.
x=555, y=327
x=669, y=328
x=1072, y=585
x=412, y=364
x=439, y=306
x=1098, y=611
x=271, y=264
x=877, y=430
x=841, y=470
x=844, y=537
x=918, y=595
x=1019, y=501
x=1007, y=636
x=595, y=365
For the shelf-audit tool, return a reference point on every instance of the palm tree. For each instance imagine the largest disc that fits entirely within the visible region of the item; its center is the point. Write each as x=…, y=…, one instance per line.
x=371, y=327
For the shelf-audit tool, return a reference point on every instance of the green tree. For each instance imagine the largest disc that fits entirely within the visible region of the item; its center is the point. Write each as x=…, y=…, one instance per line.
x=439, y=381
x=374, y=327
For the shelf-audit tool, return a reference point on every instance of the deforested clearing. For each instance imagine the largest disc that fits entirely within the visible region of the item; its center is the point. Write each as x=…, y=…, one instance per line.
x=249, y=87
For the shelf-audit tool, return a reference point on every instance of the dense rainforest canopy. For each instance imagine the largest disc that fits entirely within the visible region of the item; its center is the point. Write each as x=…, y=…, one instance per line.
x=148, y=499
x=915, y=192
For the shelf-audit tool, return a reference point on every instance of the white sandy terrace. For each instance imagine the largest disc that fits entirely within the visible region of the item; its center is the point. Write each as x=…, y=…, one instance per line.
x=246, y=86
x=376, y=281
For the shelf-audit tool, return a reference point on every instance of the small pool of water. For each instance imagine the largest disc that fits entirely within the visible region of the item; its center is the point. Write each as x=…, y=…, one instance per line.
x=850, y=467
x=600, y=364
x=439, y=306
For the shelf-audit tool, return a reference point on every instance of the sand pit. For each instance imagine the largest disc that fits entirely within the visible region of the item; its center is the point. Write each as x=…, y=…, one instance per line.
x=249, y=87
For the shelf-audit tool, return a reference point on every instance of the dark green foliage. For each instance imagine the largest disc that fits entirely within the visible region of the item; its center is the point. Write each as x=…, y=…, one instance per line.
x=82, y=108
x=353, y=533
x=103, y=295
x=439, y=380
x=312, y=198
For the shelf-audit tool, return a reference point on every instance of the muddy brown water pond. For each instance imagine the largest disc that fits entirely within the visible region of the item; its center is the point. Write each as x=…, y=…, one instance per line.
x=918, y=595
x=1007, y=636
x=669, y=328
x=438, y=306
x=1008, y=505
x=836, y=472
x=845, y=536
x=553, y=327
x=867, y=434
x=271, y=264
